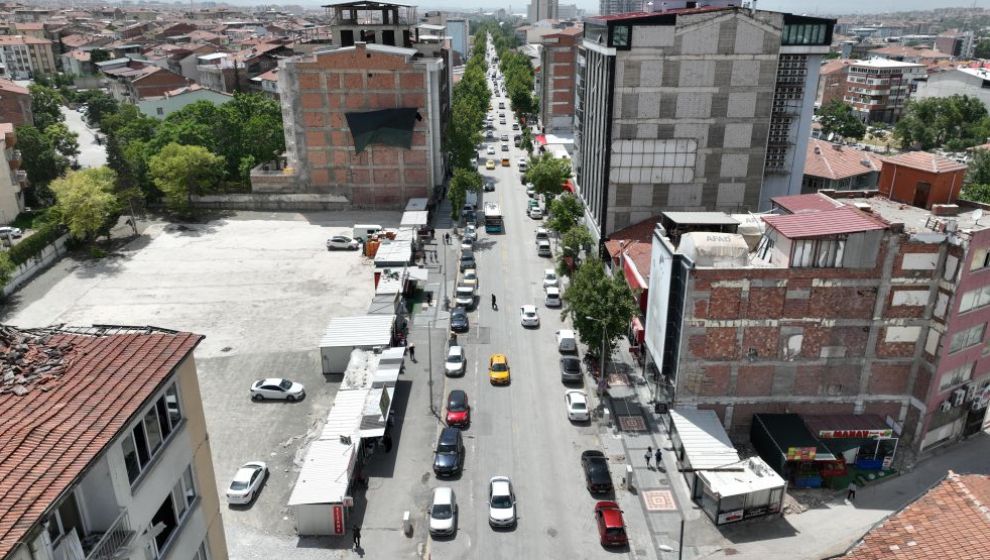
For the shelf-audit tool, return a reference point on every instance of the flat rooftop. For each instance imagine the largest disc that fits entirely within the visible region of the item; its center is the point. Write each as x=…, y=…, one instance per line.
x=916, y=220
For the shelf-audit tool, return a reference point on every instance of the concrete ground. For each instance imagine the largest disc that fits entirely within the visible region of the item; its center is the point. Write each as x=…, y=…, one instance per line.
x=262, y=288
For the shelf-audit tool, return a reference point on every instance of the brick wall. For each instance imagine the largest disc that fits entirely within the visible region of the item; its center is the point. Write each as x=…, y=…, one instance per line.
x=15, y=108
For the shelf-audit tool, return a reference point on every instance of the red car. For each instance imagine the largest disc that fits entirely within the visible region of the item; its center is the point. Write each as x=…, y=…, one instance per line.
x=458, y=409
x=611, y=527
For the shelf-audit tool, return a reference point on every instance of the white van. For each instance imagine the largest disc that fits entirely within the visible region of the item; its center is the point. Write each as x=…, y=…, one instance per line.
x=543, y=248
x=552, y=298
x=566, y=343
x=363, y=232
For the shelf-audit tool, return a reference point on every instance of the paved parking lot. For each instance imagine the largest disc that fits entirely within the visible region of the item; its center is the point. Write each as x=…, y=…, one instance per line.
x=261, y=287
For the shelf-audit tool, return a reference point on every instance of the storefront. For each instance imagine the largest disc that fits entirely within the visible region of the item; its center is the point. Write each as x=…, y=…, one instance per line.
x=743, y=490
x=785, y=443
x=862, y=440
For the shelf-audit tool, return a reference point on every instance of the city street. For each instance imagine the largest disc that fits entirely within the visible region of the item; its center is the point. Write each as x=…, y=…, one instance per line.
x=91, y=154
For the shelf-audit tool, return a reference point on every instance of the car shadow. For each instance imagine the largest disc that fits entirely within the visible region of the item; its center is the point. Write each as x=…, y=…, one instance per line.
x=505, y=529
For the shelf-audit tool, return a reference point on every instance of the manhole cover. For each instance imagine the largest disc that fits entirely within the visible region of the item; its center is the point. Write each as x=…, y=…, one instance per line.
x=632, y=424
x=659, y=500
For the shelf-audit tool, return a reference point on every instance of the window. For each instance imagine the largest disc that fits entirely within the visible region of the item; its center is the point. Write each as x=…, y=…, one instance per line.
x=956, y=376
x=148, y=437
x=817, y=253
x=65, y=518
x=981, y=259
x=202, y=553
x=967, y=338
x=184, y=492
x=172, y=512
x=160, y=111
x=620, y=36
x=974, y=299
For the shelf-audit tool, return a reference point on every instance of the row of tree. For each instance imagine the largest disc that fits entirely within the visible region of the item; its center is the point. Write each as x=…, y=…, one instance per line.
x=470, y=102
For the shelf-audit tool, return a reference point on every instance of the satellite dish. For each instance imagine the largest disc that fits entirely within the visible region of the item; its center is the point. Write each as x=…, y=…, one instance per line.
x=977, y=215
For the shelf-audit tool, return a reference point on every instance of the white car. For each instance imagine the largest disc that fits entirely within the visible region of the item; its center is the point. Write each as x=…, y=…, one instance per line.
x=443, y=512
x=490, y=150
x=552, y=297
x=470, y=232
x=11, y=231
x=521, y=162
x=467, y=244
x=277, y=389
x=550, y=279
x=342, y=242
x=577, y=405
x=530, y=190
x=455, y=363
x=246, y=483
x=536, y=213
x=501, y=502
x=474, y=162
x=528, y=316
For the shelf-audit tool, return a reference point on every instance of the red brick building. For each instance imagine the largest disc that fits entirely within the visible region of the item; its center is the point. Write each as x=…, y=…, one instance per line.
x=15, y=104
x=135, y=80
x=558, y=78
x=844, y=307
x=921, y=179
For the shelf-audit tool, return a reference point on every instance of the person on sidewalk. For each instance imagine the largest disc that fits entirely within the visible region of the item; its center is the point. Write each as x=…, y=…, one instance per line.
x=851, y=491
x=411, y=348
x=658, y=457
x=648, y=456
x=357, y=537
x=494, y=303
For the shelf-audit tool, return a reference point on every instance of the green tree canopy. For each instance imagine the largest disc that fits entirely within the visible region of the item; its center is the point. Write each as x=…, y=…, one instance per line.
x=86, y=203
x=465, y=180
x=838, y=117
x=180, y=171
x=548, y=173
x=979, y=168
x=129, y=134
x=42, y=162
x=596, y=302
x=982, y=49
x=977, y=192
x=953, y=123
x=45, y=106
x=566, y=212
x=65, y=141
x=98, y=105
x=575, y=240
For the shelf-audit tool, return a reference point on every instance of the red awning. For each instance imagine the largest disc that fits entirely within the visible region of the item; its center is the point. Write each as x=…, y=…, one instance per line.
x=633, y=277
x=541, y=139
x=568, y=186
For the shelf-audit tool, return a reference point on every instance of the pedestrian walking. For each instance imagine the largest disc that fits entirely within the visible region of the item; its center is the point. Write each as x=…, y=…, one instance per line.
x=648, y=456
x=411, y=348
x=357, y=536
x=658, y=457
x=851, y=491
x=446, y=238
x=494, y=304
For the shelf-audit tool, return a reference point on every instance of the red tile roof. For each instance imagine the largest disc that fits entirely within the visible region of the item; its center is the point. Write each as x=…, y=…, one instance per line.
x=640, y=232
x=835, y=162
x=950, y=521
x=801, y=203
x=832, y=66
x=11, y=87
x=50, y=434
x=837, y=221
x=925, y=161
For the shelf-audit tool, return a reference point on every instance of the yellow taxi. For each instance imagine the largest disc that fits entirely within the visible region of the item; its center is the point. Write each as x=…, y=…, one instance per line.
x=490, y=164
x=505, y=162
x=498, y=369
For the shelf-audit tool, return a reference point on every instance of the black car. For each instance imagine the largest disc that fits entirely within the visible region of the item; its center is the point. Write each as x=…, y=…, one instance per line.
x=489, y=186
x=596, y=475
x=449, y=454
x=459, y=320
x=570, y=369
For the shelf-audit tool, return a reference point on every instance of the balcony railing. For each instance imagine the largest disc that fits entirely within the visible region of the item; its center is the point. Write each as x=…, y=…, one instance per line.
x=20, y=175
x=113, y=541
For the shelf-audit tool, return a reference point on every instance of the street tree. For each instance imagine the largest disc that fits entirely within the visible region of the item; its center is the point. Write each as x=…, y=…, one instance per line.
x=7, y=268
x=180, y=172
x=982, y=49
x=98, y=105
x=977, y=192
x=838, y=117
x=45, y=106
x=465, y=180
x=575, y=240
x=599, y=305
x=548, y=174
x=86, y=202
x=979, y=168
x=566, y=212
x=954, y=123
x=64, y=140
x=42, y=162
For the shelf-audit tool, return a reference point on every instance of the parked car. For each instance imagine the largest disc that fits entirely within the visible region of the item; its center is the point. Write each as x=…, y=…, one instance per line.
x=542, y=234
x=11, y=231
x=551, y=297
x=448, y=457
x=528, y=316
x=577, y=406
x=247, y=482
x=498, y=370
x=458, y=320
x=489, y=185
x=455, y=363
x=566, y=343
x=458, y=409
x=490, y=164
x=501, y=502
x=506, y=162
x=464, y=296
x=443, y=512
x=570, y=369
x=467, y=260
x=474, y=161
x=543, y=248
x=504, y=137
x=342, y=242
x=597, y=478
x=521, y=162
x=470, y=278
x=470, y=232
x=505, y=147
x=550, y=278
x=611, y=526
x=277, y=389
x=490, y=150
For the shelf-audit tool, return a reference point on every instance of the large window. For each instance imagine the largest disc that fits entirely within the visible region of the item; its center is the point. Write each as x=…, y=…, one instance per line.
x=956, y=376
x=967, y=338
x=148, y=437
x=620, y=36
x=981, y=259
x=173, y=511
x=974, y=298
x=817, y=253
x=804, y=34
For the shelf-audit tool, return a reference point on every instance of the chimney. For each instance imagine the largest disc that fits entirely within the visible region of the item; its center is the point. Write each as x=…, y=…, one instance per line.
x=818, y=150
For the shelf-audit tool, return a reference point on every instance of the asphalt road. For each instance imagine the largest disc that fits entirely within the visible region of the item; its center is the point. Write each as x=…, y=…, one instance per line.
x=91, y=154
x=520, y=430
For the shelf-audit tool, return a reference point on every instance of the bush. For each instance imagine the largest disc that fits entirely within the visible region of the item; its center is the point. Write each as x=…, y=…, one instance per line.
x=35, y=244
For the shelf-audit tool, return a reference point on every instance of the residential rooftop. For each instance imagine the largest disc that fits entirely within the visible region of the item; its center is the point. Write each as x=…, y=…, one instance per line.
x=836, y=162
x=919, y=220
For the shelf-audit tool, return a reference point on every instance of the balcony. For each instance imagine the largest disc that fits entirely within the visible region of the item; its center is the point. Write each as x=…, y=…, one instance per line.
x=109, y=545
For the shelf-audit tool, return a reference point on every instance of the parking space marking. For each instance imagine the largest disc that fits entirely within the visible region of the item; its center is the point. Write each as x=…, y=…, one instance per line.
x=659, y=500
x=632, y=424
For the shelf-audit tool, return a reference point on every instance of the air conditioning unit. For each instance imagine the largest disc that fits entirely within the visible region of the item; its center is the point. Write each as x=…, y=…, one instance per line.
x=971, y=392
x=945, y=406
x=958, y=397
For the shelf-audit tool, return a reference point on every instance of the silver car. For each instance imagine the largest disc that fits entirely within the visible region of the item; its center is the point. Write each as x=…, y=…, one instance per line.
x=443, y=512
x=501, y=502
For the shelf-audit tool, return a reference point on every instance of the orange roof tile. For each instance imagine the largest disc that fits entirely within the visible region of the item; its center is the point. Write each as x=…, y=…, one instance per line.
x=50, y=434
x=641, y=232
x=832, y=66
x=11, y=87
x=824, y=223
x=950, y=521
x=925, y=161
x=834, y=161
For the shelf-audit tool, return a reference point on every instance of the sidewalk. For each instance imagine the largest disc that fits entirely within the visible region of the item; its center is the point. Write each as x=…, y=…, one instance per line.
x=654, y=506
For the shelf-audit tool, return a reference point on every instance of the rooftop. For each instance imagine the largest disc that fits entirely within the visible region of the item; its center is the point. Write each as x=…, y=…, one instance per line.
x=949, y=521
x=835, y=161
x=926, y=161
x=65, y=395
x=800, y=203
x=905, y=51
x=919, y=220
x=885, y=63
x=836, y=221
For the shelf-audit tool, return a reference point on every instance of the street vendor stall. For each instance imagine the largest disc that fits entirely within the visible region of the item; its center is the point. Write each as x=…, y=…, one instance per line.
x=785, y=443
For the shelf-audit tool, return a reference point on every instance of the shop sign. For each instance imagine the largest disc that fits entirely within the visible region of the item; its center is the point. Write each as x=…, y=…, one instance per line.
x=338, y=519
x=801, y=453
x=730, y=516
x=856, y=434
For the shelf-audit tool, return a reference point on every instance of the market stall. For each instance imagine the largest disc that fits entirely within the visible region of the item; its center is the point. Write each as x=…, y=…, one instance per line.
x=785, y=443
x=743, y=490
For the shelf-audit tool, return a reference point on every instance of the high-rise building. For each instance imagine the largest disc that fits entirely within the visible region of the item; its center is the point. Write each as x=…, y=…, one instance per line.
x=541, y=9
x=557, y=79
x=877, y=89
x=612, y=7
x=457, y=30
x=701, y=108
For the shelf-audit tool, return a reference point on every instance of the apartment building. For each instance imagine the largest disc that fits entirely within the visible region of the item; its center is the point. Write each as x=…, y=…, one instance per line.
x=843, y=306
x=13, y=180
x=131, y=81
x=364, y=121
x=703, y=108
x=539, y=10
x=24, y=56
x=957, y=44
x=557, y=79
x=105, y=452
x=877, y=89
x=458, y=30
x=611, y=7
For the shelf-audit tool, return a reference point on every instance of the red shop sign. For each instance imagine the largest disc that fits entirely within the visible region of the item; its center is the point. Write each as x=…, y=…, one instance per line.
x=338, y=520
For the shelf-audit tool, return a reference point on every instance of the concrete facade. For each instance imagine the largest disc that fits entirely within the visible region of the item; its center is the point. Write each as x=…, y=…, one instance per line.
x=877, y=89
x=539, y=10
x=24, y=56
x=15, y=104
x=558, y=74
x=12, y=179
x=702, y=109
x=956, y=81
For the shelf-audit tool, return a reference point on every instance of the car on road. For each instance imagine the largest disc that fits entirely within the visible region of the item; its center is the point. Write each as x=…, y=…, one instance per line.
x=489, y=185
x=458, y=409
x=455, y=363
x=528, y=316
x=247, y=482
x=342, y=242
x=501, y=121
x=505, y=147
x=543, y=248
x=515, y=126
x=467, y=260
x=443, y=512
x=611, y=526
x=11, y=231
x=542, y=234
x=275, y=388
x=470, y=232
x=467, y=244
x=458, y=320
x=490, y=164
x=501, y=115
x=536, y=213
x=498, y=370
x=470, y=278
x=501, y=502
x=490, y=149
x=474, y=162
x=521, y=163
x=596, y=474
x=566, y=343
x=550, y=278
x=551, y=297
x=464, y=296
x=577, y=406
x=448, y=457
x=490, y=135
x=570, y=369
x=504, y=137
x=505, y=162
